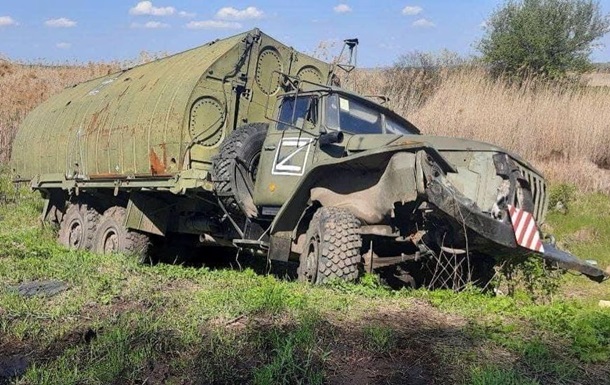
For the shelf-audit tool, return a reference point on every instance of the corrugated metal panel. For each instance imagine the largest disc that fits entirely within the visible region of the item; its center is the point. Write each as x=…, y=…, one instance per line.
x=117, y=124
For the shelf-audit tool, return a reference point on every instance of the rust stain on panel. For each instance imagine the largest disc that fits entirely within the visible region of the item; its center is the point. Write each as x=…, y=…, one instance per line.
x=406, y=142
x=95, y=119
x=156, y=165
x=107, y=175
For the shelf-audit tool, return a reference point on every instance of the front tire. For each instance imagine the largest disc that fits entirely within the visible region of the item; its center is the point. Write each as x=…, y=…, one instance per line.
x=333, y=247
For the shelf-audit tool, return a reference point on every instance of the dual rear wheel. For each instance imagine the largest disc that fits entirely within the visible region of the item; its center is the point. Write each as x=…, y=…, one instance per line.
x=78, y=225
x=111, y=236
x=83, y=228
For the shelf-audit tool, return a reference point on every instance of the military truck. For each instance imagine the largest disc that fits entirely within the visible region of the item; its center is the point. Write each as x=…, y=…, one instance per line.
x=246, y=143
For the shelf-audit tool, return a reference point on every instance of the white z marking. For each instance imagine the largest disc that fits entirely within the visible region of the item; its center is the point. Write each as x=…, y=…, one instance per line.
x=282, y=166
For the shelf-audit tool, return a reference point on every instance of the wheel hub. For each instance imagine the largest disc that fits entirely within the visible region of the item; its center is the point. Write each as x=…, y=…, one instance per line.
x=75, y=235
x=310, y=268
x=253, y=167
x=111, y=242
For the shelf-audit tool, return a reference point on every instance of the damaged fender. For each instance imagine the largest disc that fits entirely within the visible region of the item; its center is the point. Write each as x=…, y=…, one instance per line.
x=376, y=180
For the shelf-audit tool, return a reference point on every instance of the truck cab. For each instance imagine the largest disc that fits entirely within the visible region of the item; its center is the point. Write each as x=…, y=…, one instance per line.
x=315, y=126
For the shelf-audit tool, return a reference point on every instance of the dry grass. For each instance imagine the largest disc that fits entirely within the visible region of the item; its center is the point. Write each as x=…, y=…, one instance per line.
x=23, y=87
x=563, y=131
x=597, y=79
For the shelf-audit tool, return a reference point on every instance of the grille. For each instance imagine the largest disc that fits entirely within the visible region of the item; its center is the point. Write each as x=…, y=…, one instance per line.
x=538, y=189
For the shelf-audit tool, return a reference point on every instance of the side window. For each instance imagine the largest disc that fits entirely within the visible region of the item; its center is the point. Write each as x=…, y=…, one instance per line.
x=332, y=112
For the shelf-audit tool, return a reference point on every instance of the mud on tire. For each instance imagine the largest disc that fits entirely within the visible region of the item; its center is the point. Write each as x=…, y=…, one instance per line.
x=333, y=247
x=78, y=226
x=113, y=237
x=234, y=168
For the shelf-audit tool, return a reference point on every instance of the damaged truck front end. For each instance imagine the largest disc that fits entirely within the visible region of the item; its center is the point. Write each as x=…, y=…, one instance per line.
x=444, y=211
x=510, y=227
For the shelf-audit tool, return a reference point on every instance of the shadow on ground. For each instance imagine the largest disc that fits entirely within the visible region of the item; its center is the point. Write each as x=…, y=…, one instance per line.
x=223, y=258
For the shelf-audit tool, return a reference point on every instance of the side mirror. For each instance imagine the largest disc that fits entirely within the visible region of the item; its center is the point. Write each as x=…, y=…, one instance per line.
x=331, y=137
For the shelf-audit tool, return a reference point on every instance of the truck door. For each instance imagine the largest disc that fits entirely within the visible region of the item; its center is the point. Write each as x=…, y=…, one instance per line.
x=288, y=151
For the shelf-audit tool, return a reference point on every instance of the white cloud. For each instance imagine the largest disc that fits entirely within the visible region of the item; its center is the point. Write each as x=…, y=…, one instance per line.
x=484, y=24
x=187, y=14
x=147, y=8
x=342, y=8
x=411, y=10
x=63, y=45
x=213, y=24
x=150, y=25
x=6, y=21
x=390, y=47
x=423, y=23
x=230, y=13
x=62, y=22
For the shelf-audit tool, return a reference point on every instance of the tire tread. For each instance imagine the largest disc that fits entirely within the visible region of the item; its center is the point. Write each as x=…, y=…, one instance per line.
x=224, y=165
x=340, y=244
x=90, y=218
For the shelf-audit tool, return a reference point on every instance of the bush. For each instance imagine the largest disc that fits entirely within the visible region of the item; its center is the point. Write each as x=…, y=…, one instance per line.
x=547, y=38
x=563, y=193
x=415, y=77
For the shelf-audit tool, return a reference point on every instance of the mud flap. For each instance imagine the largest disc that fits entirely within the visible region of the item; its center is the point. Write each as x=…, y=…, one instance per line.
x=568, y=261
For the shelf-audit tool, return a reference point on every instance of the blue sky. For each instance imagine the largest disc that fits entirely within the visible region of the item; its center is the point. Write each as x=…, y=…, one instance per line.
x=81, y=30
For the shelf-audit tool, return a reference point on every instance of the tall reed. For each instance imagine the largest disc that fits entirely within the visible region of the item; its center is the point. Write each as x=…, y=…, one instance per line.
x=562, y=129
x=24, y=86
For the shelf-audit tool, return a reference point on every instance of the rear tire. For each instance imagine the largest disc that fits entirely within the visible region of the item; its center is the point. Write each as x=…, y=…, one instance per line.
x=78, y=226
x=333, y=247
x=113, y=237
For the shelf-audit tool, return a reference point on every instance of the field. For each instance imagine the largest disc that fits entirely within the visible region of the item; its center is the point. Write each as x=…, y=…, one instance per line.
x=208, y=321
x=235, y=320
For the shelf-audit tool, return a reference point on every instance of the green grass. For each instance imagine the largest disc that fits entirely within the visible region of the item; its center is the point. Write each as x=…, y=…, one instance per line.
x=294, y=355
x=121, y=322
x=491, y=375
x=379, y=339
x=585, y=229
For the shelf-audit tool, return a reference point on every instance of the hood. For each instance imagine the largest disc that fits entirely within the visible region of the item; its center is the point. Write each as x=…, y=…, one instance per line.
x=357, y=143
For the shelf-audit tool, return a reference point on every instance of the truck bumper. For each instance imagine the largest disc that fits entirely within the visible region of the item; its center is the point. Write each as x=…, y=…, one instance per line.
x=494, y=237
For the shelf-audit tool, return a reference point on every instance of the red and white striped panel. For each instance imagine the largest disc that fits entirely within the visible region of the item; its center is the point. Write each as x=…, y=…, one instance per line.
x=526, y=230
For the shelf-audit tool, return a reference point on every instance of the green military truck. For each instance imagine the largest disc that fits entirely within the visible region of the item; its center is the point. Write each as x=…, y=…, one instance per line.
x=245, y=142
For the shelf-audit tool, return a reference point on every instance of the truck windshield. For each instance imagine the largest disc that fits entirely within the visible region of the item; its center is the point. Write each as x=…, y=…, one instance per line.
x=294, y=112
x=352, y=116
